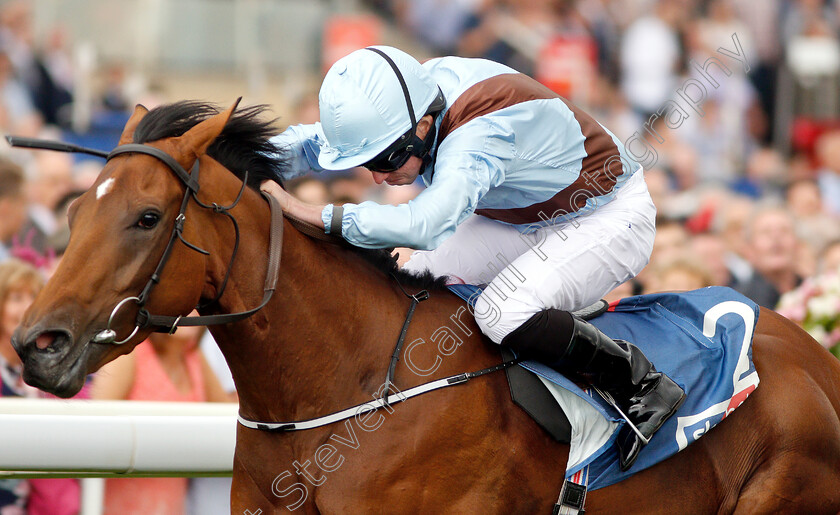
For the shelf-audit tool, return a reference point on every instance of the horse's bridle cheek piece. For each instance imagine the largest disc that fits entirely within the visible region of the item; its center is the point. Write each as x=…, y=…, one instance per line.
x=160, y=323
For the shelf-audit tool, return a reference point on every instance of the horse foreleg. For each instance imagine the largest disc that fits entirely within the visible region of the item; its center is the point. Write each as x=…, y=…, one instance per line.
x=248, y=495
x=796, y=485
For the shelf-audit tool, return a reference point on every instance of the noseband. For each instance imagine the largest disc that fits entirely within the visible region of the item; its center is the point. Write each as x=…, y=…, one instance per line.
x=162, y=323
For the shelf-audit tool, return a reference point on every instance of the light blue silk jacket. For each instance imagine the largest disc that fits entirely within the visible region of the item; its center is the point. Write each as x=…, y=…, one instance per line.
x=509, y=155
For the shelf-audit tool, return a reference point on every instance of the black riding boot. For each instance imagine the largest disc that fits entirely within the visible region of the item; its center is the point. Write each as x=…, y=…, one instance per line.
x=617, y=367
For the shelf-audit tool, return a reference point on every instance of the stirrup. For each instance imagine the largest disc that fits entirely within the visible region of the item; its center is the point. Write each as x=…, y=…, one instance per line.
x=609, y=398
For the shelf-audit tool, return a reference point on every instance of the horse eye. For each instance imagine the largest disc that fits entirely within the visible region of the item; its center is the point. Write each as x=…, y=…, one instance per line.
x=148, y=220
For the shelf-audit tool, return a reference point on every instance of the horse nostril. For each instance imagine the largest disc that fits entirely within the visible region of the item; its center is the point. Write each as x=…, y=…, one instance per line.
x=44, y=341
x=50, y=341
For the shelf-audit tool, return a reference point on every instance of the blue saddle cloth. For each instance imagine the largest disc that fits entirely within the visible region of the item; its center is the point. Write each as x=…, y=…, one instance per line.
x=702, y=339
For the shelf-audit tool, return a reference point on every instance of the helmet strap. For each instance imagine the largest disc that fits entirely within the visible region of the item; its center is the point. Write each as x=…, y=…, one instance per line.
x=418, y=147
x=424, y=150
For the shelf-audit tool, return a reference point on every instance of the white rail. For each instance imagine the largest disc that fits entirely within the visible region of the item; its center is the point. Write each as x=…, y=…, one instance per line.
x=78, y=438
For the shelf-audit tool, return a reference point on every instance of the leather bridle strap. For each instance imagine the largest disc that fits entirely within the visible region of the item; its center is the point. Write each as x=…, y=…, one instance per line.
x=275, y=248
x=189, y=180
x=164, y=323
x=315, y=232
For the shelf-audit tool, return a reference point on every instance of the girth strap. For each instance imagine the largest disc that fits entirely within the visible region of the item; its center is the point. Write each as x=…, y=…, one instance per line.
x=275, y=247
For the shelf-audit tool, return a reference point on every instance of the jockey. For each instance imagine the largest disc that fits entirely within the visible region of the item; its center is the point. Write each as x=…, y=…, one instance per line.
x=525, y=193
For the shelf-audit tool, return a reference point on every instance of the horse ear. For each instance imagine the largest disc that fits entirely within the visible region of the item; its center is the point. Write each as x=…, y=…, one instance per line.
x=128, y=133
x=197, y=139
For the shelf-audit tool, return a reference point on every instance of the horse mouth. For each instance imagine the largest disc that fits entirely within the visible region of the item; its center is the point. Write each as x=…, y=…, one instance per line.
x=52, y=363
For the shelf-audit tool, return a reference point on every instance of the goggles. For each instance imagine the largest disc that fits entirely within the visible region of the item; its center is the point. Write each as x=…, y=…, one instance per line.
x=398, y=153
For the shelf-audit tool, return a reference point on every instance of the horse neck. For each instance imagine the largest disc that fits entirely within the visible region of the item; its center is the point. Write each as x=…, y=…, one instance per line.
x=320, y=343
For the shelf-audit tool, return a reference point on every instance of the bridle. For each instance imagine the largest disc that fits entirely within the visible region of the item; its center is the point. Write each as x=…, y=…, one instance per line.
x=163, y=323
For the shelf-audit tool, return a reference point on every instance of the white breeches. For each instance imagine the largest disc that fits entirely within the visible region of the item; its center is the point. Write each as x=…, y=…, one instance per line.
x=566, y=266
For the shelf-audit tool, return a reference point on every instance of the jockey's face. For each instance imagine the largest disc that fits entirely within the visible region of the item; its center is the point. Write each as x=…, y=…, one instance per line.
x=408, y=172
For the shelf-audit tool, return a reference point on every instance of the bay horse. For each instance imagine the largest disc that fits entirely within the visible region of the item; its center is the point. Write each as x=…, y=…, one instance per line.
x=322, y=343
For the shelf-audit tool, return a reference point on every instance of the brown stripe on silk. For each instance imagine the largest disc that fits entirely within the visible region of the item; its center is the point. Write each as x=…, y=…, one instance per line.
x=492, y=95
x=599, y=168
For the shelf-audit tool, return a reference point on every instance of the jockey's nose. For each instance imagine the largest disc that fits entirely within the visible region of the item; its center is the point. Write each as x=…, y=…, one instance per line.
x=379, y=177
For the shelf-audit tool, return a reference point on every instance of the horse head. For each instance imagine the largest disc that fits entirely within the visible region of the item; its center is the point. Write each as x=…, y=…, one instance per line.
x=120, y=228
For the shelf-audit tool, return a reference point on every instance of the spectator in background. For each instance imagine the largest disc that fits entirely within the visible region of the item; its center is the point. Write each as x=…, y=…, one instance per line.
x=731, y=223
x=814, y=225
x=828, y=176
x=37, y=70
x=711, y=143
x=807, y=18
x=771, y=247
x=19, y=283
x=734, y=97
x=650, y=53
x=51, y=179
x=762, y=20
x=829, y=260
x=710, y=249
x=715, y=29
x=17, y=113
x=680, y=160
x=438, y=24
x=765, y=175
x=659, y=185
x=513, y=32
x=113, y=97
x=670, y=244
x=12, y=205
x=162, y=368
x=807, y=260
x=681, y=274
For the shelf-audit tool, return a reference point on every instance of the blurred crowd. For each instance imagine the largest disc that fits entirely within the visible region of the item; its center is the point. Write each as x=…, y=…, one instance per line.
x=745, y=179
x=36, y=188
x=735, y=207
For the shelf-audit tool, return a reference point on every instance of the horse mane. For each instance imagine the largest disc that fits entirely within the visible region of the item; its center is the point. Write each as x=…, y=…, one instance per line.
x=244, y=145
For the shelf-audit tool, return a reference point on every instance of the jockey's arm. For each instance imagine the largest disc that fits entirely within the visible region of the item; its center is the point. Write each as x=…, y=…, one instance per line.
x=422, y=223
x=307, y=212
x=300, y=145
x=426, y=221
